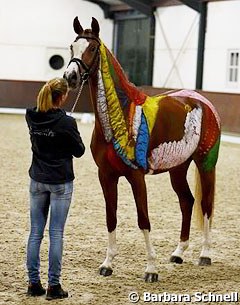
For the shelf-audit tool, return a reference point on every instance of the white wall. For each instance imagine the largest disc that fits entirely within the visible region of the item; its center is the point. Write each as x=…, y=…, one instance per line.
x=31, y=31
x=175, y=51
x=175, y=55
x=223, y=34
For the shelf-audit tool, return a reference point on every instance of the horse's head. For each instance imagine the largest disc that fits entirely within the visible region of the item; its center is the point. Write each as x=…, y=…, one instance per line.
x=84, y=54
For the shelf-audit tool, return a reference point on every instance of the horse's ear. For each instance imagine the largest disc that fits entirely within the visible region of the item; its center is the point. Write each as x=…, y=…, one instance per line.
x=77, y=26
x=95, y=26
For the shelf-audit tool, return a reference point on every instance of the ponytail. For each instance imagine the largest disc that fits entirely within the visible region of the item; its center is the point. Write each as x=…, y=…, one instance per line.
x=49, y=95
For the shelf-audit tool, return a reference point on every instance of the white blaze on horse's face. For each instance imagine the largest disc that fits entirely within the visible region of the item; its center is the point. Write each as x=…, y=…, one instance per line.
x=72, y=73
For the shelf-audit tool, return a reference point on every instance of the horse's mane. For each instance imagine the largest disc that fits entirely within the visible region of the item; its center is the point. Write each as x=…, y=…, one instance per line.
x=122, y=111
x=115, y=105
x=127, y=92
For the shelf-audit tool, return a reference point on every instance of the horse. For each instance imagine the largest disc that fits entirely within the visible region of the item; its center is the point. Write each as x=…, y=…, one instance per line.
x=136, y=134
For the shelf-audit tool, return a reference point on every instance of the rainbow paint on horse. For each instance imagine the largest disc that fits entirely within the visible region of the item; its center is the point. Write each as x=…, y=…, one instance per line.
x=135, y=135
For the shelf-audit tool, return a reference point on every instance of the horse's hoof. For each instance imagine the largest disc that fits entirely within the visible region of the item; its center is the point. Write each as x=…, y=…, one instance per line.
x=151, y=277
x=176, y=259
x=105, y=271
x=204, y=261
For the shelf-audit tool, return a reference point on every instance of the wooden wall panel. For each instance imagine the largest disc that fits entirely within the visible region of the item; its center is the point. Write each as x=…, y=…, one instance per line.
x=22, y=94
x=227, y=105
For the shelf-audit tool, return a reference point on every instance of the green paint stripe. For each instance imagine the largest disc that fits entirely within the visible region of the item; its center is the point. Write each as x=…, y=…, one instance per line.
x=210, y=160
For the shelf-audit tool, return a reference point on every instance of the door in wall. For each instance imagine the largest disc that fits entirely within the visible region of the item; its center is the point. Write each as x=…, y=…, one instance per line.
x=134, y=43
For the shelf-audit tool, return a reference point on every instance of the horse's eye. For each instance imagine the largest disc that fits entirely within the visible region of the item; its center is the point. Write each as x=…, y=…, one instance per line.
x=93, y=49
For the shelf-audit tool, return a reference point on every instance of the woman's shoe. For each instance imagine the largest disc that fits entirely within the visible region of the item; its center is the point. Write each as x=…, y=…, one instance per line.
x=56, y=292
x=35, y=289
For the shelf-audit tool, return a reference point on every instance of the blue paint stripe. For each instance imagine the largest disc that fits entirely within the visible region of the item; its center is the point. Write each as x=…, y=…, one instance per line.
x=142, y=143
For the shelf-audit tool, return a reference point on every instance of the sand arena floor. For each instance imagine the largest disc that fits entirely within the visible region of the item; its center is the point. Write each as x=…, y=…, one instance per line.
x=86, y=234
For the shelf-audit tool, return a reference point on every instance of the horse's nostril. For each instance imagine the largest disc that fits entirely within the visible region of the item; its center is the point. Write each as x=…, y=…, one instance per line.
x=74, y=75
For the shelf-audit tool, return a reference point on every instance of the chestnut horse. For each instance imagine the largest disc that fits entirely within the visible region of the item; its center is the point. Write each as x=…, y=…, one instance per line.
x=135, y=135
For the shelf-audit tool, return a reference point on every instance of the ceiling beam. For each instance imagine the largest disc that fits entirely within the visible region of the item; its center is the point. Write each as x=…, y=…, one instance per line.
x=143, y=6
x=105, y=7
x=194, y=4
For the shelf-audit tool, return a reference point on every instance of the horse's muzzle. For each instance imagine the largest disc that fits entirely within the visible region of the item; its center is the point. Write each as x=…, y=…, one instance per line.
x=72, y=79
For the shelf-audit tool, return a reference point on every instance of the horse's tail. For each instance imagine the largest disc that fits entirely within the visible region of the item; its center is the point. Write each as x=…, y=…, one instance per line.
x=198, y=213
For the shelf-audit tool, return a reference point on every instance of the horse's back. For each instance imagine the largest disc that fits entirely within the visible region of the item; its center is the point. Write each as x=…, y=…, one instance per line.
x=187, y=125
x=170, y=121
x=207, y=150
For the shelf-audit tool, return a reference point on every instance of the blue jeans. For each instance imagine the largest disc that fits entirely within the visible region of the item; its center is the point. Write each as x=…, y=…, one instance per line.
x=57, y=198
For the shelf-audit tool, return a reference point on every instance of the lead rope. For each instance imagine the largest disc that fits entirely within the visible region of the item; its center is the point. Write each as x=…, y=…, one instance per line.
x=90, y=92
x=78, y=96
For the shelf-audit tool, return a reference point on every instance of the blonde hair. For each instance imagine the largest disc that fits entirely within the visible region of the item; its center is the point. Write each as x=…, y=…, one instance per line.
x=48, y=96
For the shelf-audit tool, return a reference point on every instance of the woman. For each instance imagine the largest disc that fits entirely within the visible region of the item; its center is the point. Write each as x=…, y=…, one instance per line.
x=55, y=140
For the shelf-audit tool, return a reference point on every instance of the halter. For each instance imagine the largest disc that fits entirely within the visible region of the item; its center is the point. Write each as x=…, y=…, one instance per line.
x=87, y=70
x=84, y=76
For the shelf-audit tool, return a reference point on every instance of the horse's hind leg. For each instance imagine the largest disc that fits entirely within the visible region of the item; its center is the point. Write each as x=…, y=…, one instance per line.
x=180, y=185
x=109, y=186
x=207, y=204
x=137, y=181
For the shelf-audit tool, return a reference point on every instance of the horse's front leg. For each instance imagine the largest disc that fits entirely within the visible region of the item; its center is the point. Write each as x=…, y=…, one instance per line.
x=109, y=186
x=138, y=185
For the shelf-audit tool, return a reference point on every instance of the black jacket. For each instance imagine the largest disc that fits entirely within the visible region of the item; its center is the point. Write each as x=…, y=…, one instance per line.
x=55, y=140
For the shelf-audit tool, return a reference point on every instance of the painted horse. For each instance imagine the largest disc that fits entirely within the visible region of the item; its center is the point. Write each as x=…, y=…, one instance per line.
x=135, y=135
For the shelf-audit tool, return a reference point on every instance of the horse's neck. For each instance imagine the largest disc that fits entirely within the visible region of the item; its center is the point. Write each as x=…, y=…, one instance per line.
x=114, y=77
x=92, y=85
x=93, y=93
x=115, y=98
